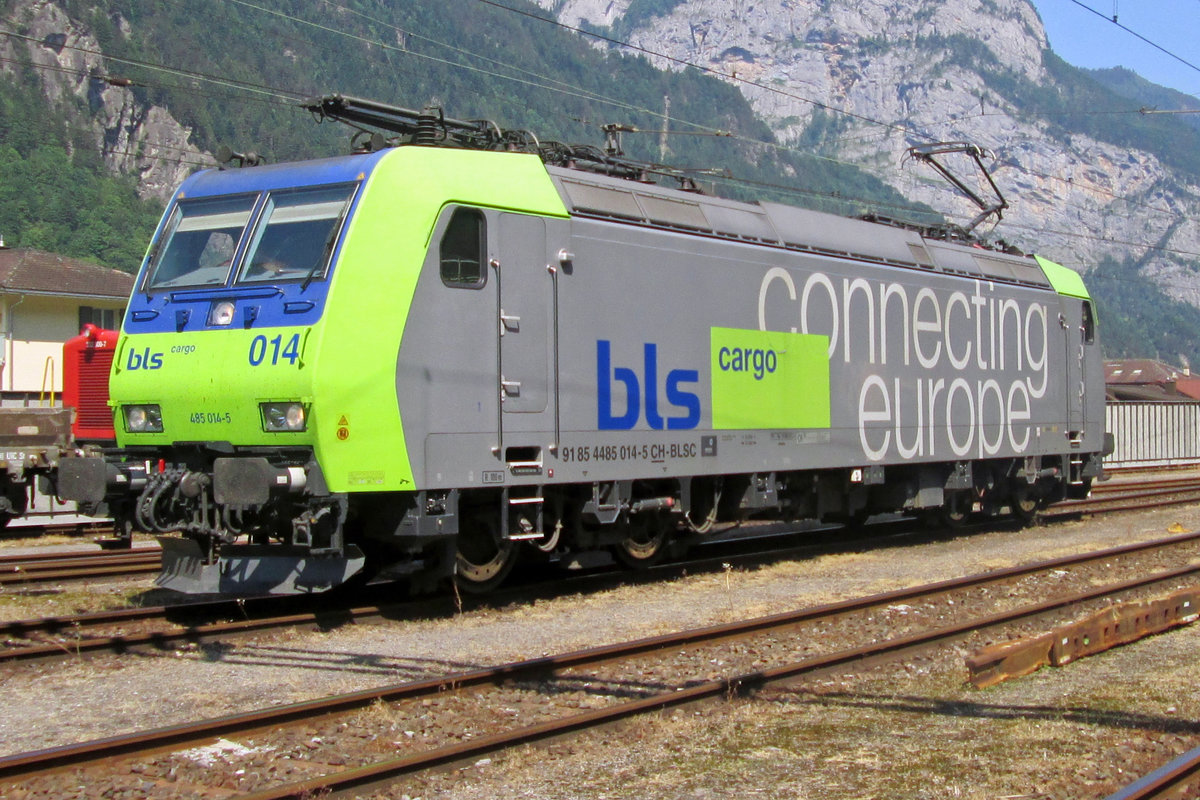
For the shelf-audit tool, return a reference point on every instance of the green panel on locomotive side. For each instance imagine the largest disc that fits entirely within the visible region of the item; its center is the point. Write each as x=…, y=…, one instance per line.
x=1065, y=280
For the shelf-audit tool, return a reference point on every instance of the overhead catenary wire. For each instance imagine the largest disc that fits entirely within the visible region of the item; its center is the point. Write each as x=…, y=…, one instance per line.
x=162, y=157
x=124, y=82
x=577, y=91
x=1155, y=45
x=711, y=71
x=554, y=84
x=561, y=87
x=284, y=96
x=816, y=104
x=231, y=82
x=278, y=92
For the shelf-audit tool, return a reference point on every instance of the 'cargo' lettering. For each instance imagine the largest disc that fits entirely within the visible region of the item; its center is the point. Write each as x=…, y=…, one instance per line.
x=743, y=359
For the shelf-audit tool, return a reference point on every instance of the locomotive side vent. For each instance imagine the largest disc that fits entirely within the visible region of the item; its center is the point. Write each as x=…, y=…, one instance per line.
x=93, y=368
x=87, y=360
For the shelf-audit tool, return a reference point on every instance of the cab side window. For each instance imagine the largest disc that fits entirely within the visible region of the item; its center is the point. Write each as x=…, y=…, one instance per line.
x=463, y=249
x=1089, y=324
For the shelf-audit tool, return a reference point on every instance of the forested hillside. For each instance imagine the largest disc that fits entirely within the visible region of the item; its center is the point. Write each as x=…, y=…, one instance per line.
x=230, y=72
x=233, y=72
x=56, y=193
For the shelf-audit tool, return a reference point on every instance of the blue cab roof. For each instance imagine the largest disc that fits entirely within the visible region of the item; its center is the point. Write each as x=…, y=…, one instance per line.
x=341, y=169
x=290, y=303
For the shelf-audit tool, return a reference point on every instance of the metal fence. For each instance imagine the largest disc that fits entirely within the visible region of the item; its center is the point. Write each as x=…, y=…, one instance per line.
x=1153, y=434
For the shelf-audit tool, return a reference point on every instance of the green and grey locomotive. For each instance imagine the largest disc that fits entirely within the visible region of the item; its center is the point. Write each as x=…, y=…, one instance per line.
x=462, y=347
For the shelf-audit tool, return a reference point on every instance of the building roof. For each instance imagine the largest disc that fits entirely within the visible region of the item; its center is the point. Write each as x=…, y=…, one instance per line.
x=1188, y=387
x=26, y=271
x=1147, y=379
x=1140, y=371
x=1130, y=392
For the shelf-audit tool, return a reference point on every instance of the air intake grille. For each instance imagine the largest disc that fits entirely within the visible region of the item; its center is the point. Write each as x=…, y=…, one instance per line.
x=93, y=411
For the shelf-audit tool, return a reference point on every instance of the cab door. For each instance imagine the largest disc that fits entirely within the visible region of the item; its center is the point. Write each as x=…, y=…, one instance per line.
x=1079, y=338
x=1069, y=322
x=524, y=296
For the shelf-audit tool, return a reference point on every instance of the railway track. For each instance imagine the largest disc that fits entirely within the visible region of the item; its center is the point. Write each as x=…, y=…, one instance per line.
x=164, y=627
x=55, y=527
x=83, y=565
x=499, y=707
x=27, y=569
x=1130, y=495
x=1174, y=781
x=44, y=568
x=169, y=626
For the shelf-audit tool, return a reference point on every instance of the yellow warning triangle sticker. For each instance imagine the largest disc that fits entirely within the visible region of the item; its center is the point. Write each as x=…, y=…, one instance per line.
x=343, y=420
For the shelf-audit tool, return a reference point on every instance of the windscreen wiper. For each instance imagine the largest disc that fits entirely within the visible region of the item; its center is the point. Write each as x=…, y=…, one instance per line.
x=330, y=240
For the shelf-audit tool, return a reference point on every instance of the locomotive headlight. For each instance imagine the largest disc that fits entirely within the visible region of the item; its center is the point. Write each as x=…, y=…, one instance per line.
x=221, y=313
x=283, y=417
x=143, y=419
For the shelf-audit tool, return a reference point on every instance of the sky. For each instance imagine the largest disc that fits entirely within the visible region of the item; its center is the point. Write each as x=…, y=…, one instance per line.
x=1091, y=40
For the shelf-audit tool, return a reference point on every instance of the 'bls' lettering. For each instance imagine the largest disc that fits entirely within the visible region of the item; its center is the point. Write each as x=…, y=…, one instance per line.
x=606, y=374
x=144, y=360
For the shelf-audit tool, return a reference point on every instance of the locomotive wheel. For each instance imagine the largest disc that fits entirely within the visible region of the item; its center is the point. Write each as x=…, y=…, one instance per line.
x=483, y=560
x=645, y=543
x=18, y=503
x=956, y=509
x=1025, y=503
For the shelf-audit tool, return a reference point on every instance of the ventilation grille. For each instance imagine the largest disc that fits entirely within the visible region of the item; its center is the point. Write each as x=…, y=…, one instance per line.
x=93, y=368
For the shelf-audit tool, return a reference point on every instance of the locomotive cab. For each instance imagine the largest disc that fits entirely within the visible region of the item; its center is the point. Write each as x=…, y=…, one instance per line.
x=211, y=389
x=254, y=384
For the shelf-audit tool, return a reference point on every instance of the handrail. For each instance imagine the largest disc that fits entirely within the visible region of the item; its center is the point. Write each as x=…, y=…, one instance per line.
x=47, y=373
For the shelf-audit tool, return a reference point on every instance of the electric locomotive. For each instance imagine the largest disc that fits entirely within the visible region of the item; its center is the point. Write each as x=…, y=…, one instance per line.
x=461, y=346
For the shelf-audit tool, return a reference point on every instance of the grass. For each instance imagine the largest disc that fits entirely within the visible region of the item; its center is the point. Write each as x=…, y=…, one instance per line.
x=917, y=731
x=18, y=604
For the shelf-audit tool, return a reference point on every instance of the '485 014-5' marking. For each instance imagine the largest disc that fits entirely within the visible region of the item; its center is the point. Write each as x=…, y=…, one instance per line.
x=275, y=348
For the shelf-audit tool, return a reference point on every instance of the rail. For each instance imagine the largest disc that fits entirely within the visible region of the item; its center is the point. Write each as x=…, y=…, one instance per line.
x=527, y=676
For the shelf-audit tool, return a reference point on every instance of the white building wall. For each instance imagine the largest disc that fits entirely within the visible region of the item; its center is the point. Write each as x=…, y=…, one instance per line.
x=33, y=329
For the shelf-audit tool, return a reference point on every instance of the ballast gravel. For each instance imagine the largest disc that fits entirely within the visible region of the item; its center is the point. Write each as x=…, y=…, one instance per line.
x=908, y=730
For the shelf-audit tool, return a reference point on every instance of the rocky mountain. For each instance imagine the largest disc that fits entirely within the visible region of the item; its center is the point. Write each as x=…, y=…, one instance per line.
x=130, y=133
x=904, y=73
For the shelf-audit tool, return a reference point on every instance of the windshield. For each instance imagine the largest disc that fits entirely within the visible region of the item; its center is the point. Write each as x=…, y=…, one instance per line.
x=295, y=234
x=200, y=242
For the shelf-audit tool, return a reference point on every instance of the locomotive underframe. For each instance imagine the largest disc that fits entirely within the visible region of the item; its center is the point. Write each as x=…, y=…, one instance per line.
x=261, y=520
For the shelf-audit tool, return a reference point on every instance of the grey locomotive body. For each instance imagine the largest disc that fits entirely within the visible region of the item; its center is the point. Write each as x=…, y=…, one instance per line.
x=489, y=358
x=667, y=361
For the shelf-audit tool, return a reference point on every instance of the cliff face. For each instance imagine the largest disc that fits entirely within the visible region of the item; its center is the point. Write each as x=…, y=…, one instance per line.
x=134, y=137
x=924, y=67
x=906, y=72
